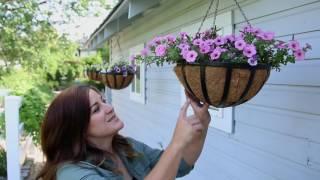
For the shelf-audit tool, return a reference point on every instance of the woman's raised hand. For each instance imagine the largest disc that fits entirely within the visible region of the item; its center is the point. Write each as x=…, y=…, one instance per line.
x=183, y=132
x=186, y=127
x=200, y=110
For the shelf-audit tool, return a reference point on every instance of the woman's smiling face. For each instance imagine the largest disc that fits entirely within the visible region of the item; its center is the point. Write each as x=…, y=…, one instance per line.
x=103, y=120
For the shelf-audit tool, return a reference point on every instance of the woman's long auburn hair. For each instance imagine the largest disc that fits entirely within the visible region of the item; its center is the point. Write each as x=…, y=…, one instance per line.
x=63, y=133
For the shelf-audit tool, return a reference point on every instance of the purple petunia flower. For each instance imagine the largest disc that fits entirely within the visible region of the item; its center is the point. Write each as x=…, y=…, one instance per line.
x=219, y=41
x=253, y=61
x=161, y=50
x=170, y=38
x=204, y=49
x=210, y=42
x=183, y=34
x=215, y=54
x=202, y=44
x=294, y=45
x=267, y=36
x=184, y=54
x=248, y=28
x=117, y=69
x=241, y=35
x=197, y=42
x=144, y=52
x=191, y=56
x=132, y=58
x=299, y=54
x=240, y=44
x=184, y=46
x=151, y=44
x=221, y=49
x=249, y=50
x=124, y=68
x=230, y=38
x=257, y=31
x=306, y=47
x=157, y=40
x=281, y=45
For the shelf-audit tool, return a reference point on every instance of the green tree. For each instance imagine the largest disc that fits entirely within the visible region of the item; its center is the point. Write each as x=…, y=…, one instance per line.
x=31, y=48
x=26, y=28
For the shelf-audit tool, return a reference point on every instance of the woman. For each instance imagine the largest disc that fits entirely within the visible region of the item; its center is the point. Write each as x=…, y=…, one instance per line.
x=80, y=140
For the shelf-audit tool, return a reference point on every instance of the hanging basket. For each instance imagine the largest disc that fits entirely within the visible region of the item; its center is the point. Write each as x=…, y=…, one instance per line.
x=116, y=80
x=222, y=84
x=93, y=75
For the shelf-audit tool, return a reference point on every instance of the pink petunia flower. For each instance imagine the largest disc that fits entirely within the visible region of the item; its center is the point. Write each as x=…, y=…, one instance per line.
x=161, y=50
x=132, y=58
x=157, y=40
x=215, y=54
x=281, y=46
x=182, y=34
x=191, y=56
x=144, y=52
x=260, y=34
x=210, y=42
x=197, y=42
x=257, y=31
x=268, y=36
x=294, y=45
x=184, y=53
x=170, y=38
x=151, y=44
x=247, y=28
x=230, y=38
x=219, y=41
x=183, y=46
x=240, y=44
x=204, y=49
x=249, y=50
x=202, y=44
x=299, y=54
x=221, y=49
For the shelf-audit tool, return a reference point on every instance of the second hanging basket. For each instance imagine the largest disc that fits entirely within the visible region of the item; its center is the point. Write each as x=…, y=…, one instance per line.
x=116, y=80
x=222, y=84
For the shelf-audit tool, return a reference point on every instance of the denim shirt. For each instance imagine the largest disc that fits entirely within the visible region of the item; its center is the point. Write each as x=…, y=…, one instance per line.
x=138, y=168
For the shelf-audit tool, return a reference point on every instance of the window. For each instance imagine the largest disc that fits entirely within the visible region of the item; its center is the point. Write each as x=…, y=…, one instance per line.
x=222, y=118
x=137, y=87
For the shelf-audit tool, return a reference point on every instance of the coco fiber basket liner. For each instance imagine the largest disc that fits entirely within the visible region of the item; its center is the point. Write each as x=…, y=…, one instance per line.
x=116, y=81
x=93, y=75
x=222, y=84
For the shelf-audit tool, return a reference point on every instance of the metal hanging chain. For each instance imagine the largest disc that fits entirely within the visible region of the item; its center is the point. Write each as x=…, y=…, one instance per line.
x=118, y=37
x=205, y=16
x=242, y=12
x=215, y=14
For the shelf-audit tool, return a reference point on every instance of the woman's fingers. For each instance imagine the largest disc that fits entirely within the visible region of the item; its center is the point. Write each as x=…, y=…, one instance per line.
x=196, y=123
x=184, y=108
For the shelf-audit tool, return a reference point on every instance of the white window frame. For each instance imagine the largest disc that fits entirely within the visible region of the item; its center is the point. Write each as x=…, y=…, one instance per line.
x=134, y=96
x=221, y=118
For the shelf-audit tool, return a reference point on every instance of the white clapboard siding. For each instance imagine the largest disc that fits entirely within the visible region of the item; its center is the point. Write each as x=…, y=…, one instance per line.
x=276, y=134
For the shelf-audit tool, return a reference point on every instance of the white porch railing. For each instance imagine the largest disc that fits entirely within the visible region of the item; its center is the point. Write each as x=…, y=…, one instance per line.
x=12, y=106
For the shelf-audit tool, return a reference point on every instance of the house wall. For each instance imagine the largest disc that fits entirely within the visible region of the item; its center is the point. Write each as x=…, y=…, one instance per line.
x=277, y=133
